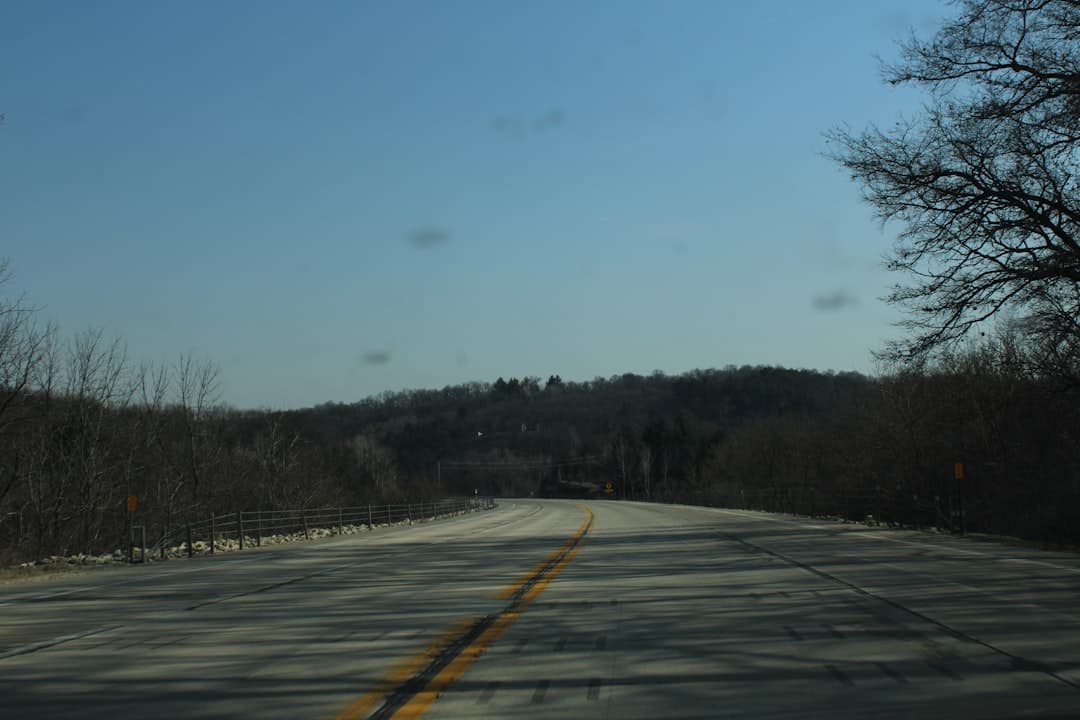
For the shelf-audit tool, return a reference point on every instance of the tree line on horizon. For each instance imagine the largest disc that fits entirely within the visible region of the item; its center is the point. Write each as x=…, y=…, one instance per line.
x=82, y=428
x=973, y=424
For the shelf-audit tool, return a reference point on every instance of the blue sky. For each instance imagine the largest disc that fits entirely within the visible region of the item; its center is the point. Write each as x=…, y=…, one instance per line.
x=329, y=200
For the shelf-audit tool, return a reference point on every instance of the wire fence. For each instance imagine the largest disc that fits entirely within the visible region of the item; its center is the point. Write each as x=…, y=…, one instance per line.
x=245, y=529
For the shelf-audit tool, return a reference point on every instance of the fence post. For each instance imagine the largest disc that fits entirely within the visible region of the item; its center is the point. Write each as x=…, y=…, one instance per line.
x=340, y=522
x=190, y=550
x=389, y=517
x=303, y=519
x=240, y=522
x=164, y=539
x=211, y=533
x=370, y=523
x=258, y=529
x=408, y=512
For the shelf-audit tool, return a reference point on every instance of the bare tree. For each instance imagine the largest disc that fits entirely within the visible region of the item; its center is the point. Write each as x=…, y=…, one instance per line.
x=21, y=347
x=167, y=477
x=277, y=450
x=199, y=391
x=21, y=343
x=98, y=388
x=983, y=183
x=376, y=466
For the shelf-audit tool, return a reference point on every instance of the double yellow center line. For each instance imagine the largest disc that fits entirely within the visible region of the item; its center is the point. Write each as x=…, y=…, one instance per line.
x=410, y=688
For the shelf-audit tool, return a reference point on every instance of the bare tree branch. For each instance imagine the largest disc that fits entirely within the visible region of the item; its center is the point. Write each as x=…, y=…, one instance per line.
x=982, y=185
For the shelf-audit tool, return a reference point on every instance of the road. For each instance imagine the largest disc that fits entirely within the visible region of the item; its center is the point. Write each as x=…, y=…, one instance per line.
x=560, y=609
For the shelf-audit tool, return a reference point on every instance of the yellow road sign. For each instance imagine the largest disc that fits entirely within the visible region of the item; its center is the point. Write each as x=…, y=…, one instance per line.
x=958, y=471
x=132, y=503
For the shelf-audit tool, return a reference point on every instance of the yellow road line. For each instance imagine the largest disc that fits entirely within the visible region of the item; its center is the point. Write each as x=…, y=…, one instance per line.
x=525, y=577
x=540, y=575
x=403, y=671
x=457, y=667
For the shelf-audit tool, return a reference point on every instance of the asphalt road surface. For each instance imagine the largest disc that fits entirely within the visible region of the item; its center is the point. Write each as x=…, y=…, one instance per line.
x=560, y=609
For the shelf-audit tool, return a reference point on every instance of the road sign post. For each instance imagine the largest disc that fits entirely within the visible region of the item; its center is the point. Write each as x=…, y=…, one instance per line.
x=132, y=506
x=958, y=476
x=137, y=531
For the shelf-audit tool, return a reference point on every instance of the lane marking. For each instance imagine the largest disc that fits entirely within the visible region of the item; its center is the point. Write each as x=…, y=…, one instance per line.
x=524, y=577
x=403, y=671
x=932, y=578
x=410, y=689
x=1042, y=563
x=265, y=588
x=41, y=645
x=13, y=599
x=939, y=548
x=942, y=547
x=1017, y=660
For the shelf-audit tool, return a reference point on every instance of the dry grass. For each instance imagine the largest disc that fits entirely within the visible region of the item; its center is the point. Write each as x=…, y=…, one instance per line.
x=17, y=572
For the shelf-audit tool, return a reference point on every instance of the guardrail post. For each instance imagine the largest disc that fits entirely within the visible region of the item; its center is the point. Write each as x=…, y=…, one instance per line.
x=370, y=523
x=340, y=522
x=190, y=550
x=240, y=523
x=211, y=533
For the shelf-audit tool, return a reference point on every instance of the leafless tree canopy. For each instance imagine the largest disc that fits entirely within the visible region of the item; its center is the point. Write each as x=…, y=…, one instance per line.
x=982, y=184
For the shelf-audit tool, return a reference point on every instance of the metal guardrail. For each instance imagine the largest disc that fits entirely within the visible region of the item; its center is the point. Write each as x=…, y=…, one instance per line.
x=251, y=528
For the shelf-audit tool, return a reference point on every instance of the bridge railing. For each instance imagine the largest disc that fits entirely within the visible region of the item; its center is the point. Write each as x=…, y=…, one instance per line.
x=245, y=529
